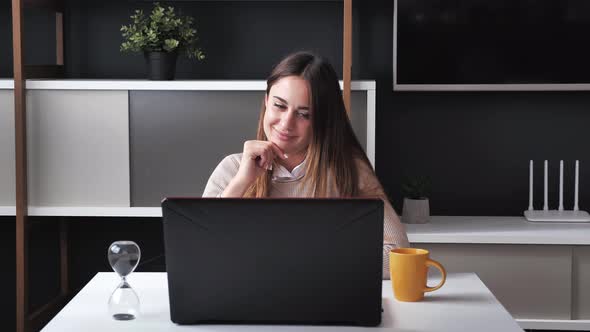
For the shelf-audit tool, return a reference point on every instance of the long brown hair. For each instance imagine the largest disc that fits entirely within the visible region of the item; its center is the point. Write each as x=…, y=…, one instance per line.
x=334, y=151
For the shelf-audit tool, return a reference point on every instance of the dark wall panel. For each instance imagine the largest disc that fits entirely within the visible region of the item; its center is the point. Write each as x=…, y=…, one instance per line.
x=477, y=147
x=39, y=37
x=8, y=273
x=90, y=238
x=44, y=260
x=242, y=39
x=5, y=40
x=474, y=145
x=38, y=41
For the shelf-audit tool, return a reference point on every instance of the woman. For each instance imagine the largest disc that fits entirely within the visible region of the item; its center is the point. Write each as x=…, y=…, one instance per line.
x=305, y=147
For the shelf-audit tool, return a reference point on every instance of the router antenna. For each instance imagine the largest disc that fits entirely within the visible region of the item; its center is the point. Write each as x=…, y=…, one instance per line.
x=545, y=206
x=560, y=185
x=531, y=185
x=577, y=183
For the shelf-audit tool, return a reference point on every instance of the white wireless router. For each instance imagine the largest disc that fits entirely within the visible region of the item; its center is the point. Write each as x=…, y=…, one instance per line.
x=559, y=215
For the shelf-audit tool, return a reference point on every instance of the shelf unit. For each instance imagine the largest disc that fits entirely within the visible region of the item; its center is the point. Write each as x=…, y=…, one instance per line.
x=25, y=320
x=111, y=104
x=31, y=321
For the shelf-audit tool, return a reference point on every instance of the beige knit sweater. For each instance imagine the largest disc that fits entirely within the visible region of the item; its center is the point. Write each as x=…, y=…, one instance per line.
x=394, y=234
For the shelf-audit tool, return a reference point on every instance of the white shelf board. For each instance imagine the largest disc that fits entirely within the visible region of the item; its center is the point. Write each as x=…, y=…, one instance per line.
x=7, y=210
x=141, y=84
x=555, y=324
x=94, y=211
x=491, y=87
x=497, y=230
x=6, y=83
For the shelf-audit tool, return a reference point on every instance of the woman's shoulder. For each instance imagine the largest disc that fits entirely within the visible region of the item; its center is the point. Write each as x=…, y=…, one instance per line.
x=226, y=169
x=231, y=161
x=222, y=175
x=235, y=158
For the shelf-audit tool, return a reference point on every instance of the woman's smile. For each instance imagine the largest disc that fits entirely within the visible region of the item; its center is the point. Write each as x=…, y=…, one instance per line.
x=283, y=136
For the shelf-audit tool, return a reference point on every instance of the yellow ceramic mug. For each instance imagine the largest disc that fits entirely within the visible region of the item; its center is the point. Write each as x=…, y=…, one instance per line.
x=409, y=268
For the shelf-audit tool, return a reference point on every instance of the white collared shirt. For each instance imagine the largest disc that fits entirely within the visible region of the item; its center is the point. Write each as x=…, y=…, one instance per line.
x=281, y=174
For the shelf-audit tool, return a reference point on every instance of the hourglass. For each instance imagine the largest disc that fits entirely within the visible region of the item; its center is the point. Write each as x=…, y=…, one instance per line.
x=124, y=257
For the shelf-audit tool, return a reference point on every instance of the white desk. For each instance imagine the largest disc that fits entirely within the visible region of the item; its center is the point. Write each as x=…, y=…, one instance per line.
x=463, y=304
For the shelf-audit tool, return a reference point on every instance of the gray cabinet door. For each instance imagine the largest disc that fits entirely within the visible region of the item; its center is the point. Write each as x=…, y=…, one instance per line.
x=7, y=156
x=179, y=137
x=581, y=283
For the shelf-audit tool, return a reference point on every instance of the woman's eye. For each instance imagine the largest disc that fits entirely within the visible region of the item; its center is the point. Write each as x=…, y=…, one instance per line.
x=280, y=106
x=303, y=115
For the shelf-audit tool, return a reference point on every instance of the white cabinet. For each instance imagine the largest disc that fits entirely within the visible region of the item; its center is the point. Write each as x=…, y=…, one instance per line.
x=539, y=271
x=116, y=147
x=531, y=281
x=78, y=148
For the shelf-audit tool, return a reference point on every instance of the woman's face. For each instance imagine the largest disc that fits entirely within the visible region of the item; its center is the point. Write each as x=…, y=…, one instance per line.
x=287, y=119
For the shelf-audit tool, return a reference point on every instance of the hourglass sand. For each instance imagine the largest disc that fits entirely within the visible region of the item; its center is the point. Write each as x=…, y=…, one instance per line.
x=124, y=257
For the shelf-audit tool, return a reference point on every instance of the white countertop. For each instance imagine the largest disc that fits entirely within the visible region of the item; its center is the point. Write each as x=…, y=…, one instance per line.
x=497, y=230
x=142, y=84
x=464, y=303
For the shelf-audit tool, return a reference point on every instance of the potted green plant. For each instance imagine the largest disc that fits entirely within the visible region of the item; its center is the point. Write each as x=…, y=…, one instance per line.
x=416, y=209
x=161, y=36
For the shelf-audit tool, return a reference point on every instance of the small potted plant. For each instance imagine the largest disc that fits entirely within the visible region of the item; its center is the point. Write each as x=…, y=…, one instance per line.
x=161, y=36
x=416, y=209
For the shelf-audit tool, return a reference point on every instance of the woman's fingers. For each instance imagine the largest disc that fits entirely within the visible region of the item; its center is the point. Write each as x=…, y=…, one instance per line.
x=264, y=153
x=278, y=151
x=262, y=156
x=260, y=162
x=272, y=151
x=271, y=160
x=257, y=158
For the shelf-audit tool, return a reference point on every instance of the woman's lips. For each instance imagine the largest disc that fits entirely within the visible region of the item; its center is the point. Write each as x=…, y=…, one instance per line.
x=282, y=136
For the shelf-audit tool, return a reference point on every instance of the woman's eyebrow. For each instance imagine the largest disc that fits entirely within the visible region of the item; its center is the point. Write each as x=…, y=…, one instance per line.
x=284, y=101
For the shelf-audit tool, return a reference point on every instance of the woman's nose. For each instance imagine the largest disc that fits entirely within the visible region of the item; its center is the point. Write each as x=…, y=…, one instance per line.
x=287, y=120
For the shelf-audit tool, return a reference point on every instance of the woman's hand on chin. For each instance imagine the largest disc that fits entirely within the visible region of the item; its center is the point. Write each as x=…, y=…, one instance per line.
x=257, y=158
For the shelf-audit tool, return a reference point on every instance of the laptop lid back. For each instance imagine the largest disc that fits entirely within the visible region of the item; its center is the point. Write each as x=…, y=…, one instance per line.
x=274, y=261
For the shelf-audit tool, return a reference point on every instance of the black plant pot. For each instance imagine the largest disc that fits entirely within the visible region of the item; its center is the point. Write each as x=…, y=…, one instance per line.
x=161, y=65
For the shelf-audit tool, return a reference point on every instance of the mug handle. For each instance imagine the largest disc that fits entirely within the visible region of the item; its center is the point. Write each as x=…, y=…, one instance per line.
x=431, y=262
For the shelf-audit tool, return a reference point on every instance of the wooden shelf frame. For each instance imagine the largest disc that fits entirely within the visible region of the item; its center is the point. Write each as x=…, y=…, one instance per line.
x=26, y=321
x=347, y=53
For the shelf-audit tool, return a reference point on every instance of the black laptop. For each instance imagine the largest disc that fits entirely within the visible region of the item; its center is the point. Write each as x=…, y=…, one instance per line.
x=274, y=261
